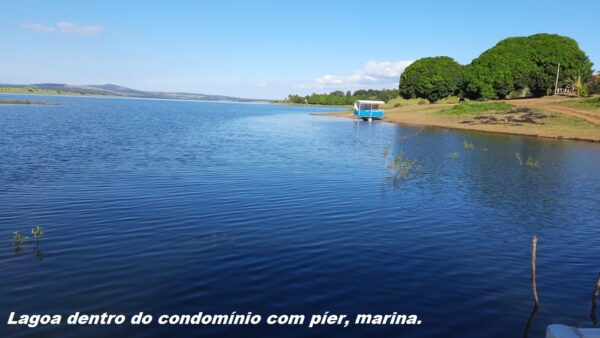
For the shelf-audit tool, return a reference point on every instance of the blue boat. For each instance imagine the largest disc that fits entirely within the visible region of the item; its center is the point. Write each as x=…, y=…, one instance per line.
x=368, y=110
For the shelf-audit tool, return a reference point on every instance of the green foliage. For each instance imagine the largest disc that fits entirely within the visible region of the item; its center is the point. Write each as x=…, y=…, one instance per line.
x=594, y=85
x=431, y=78
x=517, y=94
x=520, y=63
x=530, y=163
x=37, y=232
x=371, y=94
x=19, y=237
x=476, y=108
x=582, y=90
x=340, y=98
x=533, y=163
x=400, y=166
x=468, y=145
x=519, y=158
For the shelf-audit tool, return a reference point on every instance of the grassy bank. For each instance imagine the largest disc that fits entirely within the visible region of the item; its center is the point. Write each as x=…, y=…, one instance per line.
x=590, y=104
x=554, y=117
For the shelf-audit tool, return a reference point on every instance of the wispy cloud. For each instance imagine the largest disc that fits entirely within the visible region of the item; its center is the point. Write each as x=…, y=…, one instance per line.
x=71, y=28
x=36, y=27
x=66, y=28
x=378, y=74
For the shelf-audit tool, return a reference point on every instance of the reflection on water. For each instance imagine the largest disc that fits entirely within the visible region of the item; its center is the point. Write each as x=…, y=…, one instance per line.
x=181, y=207
x=530, y=320
x=27, y=249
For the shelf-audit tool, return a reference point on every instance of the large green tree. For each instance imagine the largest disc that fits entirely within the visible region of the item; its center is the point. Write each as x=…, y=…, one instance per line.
x=431, y=78
x=526, y=64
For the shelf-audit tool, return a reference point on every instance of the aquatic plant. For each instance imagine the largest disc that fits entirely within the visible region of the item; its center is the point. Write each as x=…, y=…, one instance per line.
x=468, y=145
x=518, y=156
x=21, y=242
x=530, y=163
x=19, y=237
x=533, y=163
x=386, y=152
x=455, y=155
x=401, y=167
x=37, y=233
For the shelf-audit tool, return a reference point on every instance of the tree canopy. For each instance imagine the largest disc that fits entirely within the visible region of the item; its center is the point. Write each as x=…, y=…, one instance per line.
x=526, y=64
x=432, y=78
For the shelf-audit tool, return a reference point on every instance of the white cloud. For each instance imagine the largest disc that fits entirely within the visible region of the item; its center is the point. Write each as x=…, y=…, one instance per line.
x=66, y=28
x=262, y=84
x=375, y=74
x=36, y=27
x=71, y=28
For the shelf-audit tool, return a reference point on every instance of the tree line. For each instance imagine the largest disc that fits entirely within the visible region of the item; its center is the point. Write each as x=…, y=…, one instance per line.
x=341, y=98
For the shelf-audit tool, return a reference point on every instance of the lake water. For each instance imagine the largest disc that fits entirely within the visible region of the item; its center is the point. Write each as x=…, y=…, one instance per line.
x=177, y=207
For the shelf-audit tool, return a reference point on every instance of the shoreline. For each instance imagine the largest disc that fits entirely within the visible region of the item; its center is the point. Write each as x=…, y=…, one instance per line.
x=559, y=123
x=91, y=96
x=98, y=96
x=499, y=132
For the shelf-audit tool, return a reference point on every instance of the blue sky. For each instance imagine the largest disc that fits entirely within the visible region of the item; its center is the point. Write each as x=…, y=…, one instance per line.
x=264, y=49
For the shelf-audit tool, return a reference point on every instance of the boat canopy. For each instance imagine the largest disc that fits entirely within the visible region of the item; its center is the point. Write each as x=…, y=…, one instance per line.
x=367, y=104
x=361, y=102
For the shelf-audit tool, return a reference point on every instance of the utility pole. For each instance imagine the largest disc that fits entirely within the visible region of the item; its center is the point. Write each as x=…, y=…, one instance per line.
x=556, y=83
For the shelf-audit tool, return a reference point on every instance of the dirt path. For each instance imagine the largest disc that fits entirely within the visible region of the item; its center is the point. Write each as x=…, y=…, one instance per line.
x=585, y=115
x=550, y=103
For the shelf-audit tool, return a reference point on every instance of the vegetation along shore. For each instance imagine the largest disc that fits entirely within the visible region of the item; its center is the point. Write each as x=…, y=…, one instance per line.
x=539, y=85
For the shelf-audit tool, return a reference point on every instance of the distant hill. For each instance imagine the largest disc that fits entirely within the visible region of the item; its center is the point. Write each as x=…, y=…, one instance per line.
x=112, y=90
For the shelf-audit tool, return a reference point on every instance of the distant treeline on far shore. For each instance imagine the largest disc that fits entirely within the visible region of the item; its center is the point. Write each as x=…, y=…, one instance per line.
x=341, y=98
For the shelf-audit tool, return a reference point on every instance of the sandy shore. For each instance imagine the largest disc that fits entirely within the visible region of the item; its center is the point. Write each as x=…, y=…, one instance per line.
x=560, y=122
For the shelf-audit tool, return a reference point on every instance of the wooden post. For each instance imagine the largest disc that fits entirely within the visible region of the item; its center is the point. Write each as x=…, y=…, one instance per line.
x=533, y=283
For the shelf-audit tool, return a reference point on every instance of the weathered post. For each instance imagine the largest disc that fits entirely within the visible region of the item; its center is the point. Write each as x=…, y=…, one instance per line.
x=533, y=283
